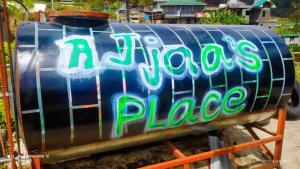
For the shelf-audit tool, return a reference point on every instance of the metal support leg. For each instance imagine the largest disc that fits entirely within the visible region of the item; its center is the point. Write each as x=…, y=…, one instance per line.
x=264, y=148
x=35, y=163
x=280, y=132
x=176, y=152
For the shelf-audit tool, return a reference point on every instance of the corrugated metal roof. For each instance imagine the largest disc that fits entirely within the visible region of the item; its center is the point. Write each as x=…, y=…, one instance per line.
x=237, y=4
x=259, y=3
x=183, y=2
x=291, y=35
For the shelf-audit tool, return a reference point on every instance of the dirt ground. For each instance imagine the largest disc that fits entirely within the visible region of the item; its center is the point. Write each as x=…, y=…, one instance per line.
x=140, y=156
x=156, y=152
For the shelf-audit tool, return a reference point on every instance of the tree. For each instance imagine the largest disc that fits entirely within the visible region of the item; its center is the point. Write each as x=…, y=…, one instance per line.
x=295, y=16
x=290, y=25
x=112, y=8
x=77, y=5
x=18, y=8
x=226, y=17
x=92, y=5
x=283, y=3
x=130, y=4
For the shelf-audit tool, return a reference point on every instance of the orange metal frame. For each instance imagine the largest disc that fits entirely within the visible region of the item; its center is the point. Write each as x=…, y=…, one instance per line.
x=184, y=161
x=256, y=142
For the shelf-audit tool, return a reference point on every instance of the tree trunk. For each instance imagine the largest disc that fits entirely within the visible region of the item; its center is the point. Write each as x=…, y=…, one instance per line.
x=127, y=11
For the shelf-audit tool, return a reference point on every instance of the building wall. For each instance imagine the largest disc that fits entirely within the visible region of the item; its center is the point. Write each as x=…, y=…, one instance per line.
x=264, y=14
x=245, y=14
x=268, y=25
x=185, y=9
x=292, y=40
x=253, y=16
x=181, y=14
x=181, y=20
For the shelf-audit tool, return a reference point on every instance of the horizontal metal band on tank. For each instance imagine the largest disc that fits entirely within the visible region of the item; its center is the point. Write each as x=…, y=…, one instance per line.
x=77, y=99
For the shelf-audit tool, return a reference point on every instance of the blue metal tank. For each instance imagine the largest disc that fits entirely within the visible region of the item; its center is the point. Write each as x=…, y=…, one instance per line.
x=92, y=89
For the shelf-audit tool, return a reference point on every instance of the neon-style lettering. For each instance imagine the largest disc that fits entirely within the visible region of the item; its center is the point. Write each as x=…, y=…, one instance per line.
x=212, y=96
x=187, y=105
x=125, y=59
x=122, y=116
x=150, y=74
x=152, y=121
x=233, y=104
x=187, y=62
x=218, y=61
x=247, y=59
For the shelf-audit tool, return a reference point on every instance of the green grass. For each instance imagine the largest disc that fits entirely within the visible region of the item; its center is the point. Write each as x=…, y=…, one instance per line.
x=297, y=72
x=2, y=115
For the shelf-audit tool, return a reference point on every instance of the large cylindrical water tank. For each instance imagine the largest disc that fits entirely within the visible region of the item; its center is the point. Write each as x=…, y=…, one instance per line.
x=92, y=89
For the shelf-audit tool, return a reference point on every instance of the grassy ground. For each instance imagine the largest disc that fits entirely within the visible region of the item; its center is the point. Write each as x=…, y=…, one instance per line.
x=297, y=72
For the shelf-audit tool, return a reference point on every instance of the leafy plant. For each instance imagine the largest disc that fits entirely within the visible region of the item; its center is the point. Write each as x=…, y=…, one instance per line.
x=2, y=115
x=297, y=72
x=294, y=48
x=16, y=8
x=78, y=5
x=112, y=8
x=226, y=17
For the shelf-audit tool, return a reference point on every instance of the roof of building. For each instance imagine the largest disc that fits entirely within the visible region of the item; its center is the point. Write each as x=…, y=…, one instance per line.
x=260, y=3
x=291, y=35
x=184, y=2
x=290, y=24
x=234, y=4
x=160, y=0
x=287, y=25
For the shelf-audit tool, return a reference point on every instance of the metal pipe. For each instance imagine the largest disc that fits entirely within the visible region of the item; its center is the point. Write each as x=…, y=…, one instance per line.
x=176, y=152
x=4, y=85
x=265, y=130
x=52, y=5
x=218, y=161
x=265, y=149
x=12, y=71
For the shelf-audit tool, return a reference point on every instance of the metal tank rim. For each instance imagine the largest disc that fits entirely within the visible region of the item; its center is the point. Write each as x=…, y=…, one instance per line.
x=99, y=15
x=85, y=19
